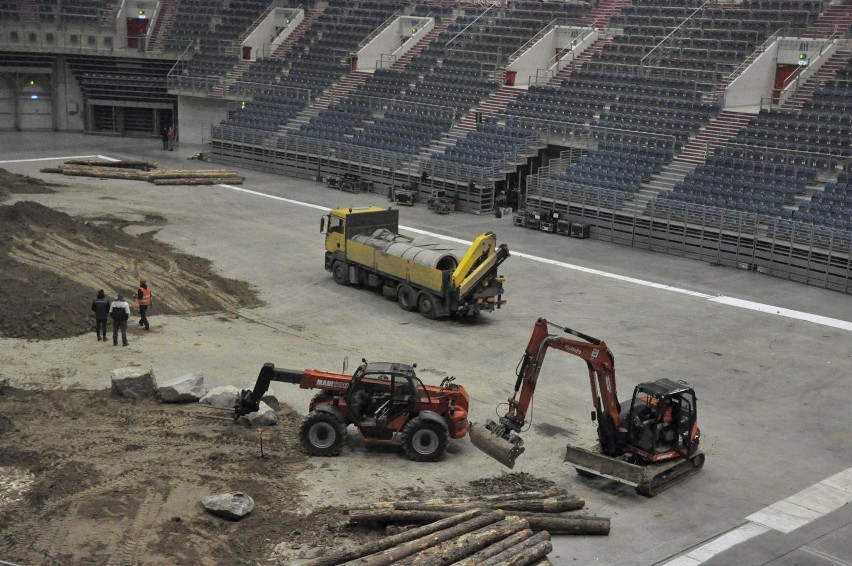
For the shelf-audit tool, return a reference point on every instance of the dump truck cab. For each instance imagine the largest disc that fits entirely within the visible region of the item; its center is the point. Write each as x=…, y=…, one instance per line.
x=342, y=224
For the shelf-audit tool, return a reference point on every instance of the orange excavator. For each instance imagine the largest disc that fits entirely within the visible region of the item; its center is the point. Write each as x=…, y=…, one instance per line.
x=649, y=442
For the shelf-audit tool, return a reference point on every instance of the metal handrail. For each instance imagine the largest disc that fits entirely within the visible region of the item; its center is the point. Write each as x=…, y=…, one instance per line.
x=378, y=30
x=677, y=28
x=541, y=33
x=496, y=3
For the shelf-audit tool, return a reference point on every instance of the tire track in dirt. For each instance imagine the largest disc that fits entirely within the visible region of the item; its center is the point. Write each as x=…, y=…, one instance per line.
x=134, y=535
x=83, y=262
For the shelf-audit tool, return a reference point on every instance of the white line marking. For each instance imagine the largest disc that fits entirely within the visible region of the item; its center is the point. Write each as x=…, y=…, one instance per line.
x=718, y=545
x=724, y=300
x=731, y=301
x=48, y=159
x=787, y=313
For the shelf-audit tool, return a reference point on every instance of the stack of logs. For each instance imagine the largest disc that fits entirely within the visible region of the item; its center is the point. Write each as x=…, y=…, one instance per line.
x=144, y=171
x=495, y=530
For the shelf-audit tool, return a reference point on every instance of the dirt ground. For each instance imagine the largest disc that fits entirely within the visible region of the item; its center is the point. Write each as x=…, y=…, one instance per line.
x=52, y=265
x=87, y=477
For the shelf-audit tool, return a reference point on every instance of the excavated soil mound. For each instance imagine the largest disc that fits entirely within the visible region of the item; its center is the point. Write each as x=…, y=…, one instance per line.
x=52, y=265
x=106, y=480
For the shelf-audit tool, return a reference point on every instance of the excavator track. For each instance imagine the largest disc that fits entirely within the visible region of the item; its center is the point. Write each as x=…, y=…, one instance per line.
x=648, y=479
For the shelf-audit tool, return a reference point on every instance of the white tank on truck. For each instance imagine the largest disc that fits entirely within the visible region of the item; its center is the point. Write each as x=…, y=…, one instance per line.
x=363, y=247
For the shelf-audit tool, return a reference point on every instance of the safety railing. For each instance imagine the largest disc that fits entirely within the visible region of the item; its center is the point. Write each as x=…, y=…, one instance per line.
x=532, y=41
x=654, y=56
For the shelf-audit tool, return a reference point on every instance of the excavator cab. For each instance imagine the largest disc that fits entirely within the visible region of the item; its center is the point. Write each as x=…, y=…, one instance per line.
x=660, y=421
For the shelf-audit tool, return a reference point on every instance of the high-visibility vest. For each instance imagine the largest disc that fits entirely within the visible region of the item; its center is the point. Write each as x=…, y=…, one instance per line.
x=146, y=297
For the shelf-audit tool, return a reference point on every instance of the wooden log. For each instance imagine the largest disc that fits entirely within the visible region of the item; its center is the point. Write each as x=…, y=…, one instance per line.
x=122, y=163
x=104, y=172
x=547, y=505
x=543, y=562
x=373, y=547
x=396, y=529
x=552, y=492
x=495, y=549
x=525, y=552
x=382, y=517
x=555, y=523
x=391, y=555
x=192, y=173
x=51, y=170
x=199, y=181
x=465, y=545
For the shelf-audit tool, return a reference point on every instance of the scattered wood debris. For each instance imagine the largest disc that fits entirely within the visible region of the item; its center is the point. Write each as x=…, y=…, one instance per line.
x=475, y=536
x=145, y=171
x=494, y=529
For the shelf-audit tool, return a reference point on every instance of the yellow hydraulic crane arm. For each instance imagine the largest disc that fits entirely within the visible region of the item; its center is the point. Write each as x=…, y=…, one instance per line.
x=479, y=259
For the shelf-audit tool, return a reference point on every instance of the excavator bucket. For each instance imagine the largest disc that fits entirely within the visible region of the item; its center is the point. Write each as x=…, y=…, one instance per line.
x=502, y=450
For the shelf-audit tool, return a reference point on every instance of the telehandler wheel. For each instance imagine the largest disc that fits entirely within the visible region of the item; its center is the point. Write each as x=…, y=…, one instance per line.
x=424, y=440
x=406, y=298
x=427, y=305
x=322, y=434
x=339, y=272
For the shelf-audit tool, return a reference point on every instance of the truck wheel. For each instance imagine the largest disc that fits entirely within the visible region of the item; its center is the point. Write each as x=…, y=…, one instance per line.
x=424, y=440
x=406, y=298
x=339, y=273
x=322, y=434
x=427, y=305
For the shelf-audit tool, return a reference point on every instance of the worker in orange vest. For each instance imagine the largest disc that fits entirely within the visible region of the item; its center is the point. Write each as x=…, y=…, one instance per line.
x=143, y=301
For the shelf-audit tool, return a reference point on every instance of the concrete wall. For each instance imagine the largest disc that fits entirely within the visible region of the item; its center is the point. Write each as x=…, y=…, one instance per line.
x=197, y=115
x=264, y=38
x=755, y=83
x=393, y=42
x=540, y=57
x=69, y=108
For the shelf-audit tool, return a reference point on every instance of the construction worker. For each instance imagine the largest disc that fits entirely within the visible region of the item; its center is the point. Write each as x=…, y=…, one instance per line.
x=119, y=310
x=100, y=306
x=143, y=301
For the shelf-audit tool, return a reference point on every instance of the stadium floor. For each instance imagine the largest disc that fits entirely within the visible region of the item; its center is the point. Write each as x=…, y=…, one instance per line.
x=770, y=359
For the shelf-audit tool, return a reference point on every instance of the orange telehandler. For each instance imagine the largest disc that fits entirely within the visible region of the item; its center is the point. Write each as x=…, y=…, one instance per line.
x=385, y=401
x=649, y=442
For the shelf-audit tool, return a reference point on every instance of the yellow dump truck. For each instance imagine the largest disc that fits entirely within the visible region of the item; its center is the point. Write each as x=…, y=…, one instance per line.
x=363, y=247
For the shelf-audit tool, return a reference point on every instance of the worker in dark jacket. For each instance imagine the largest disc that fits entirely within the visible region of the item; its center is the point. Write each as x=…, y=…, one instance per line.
x=119, y=310
x=100, y=306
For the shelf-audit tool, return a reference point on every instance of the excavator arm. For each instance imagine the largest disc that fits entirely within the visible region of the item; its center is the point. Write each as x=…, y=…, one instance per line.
x=500, y=440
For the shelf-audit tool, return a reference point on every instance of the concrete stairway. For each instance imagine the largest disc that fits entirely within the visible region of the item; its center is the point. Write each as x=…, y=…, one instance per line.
x=424, y=42
x=825, y=73
x=230, y=78
x=494, y=103
x=332, y=95
x=835, y=21
x=665, y=180
x=717, y=133
x=604, y=12
x=584, y=57
x=163, y=25
x=306, y=23
x=338, y=90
